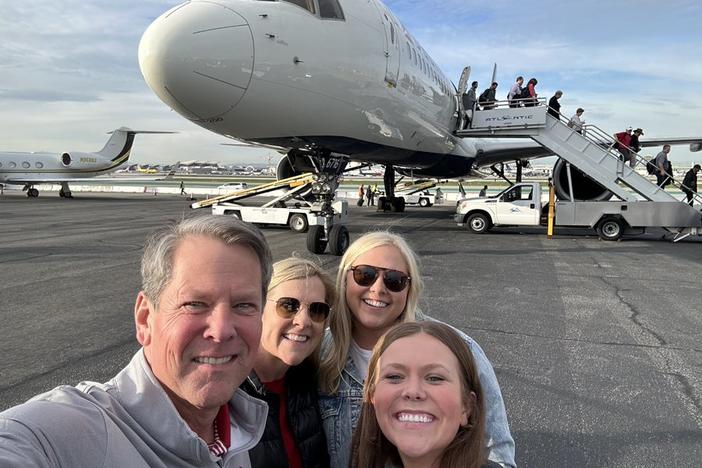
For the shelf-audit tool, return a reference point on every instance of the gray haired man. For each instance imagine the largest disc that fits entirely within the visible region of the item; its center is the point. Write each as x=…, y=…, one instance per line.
x=177, y=403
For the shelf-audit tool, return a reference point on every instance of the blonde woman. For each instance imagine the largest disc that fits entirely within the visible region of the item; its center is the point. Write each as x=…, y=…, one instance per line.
x=379, y=285
x=285, y=370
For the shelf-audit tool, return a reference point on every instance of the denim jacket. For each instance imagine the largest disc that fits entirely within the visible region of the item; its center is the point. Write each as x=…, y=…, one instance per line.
x=341, y=410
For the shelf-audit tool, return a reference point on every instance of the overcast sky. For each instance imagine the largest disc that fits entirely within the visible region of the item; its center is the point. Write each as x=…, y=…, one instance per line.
x=70, y=70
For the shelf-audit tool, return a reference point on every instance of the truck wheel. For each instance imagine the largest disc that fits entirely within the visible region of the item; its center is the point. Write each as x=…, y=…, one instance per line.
x=338, y=239
x=478, y=223
x=298, y=222
x=316, y=243
x=610, y=228
x=423, y=202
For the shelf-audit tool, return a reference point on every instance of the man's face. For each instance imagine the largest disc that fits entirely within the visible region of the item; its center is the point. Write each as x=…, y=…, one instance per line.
x=202, y=339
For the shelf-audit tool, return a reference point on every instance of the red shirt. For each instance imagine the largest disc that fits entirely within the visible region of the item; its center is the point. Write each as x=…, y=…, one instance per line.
x=624, y=138
x=278, y=387
x=222, y=433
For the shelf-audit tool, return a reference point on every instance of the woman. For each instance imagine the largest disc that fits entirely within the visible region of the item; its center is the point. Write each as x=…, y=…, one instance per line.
x=422, y=402
x=379, y=285
x=531, y=96
x=285, y=371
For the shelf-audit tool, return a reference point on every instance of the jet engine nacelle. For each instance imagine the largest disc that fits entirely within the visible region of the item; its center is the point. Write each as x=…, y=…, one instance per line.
x=584, y=188
x=295, y=163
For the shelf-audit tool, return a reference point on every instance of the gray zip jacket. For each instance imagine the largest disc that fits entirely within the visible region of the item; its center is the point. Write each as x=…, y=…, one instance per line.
x=126, y=422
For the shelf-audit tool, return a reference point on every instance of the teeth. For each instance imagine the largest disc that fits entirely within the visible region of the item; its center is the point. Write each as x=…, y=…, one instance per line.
x=212, y=360
x=298, y=338
x=415, y=418
x=374, y=303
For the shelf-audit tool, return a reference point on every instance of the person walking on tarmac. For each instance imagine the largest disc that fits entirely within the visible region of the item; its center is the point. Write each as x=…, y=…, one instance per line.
x=360, y=196
x=369, y=196
x=689, y=184
x=483, y=191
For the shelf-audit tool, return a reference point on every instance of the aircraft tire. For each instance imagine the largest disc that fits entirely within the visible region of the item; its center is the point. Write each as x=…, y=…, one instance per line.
x=32, y=193
x=338, y=239
x=298, y=222
x=316, y=243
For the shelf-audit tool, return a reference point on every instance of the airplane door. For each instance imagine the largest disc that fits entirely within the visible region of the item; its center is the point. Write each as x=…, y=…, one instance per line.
x=392, y=47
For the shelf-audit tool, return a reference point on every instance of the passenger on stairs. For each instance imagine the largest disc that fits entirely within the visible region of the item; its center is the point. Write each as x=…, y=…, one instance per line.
x=469, y=101
x=554, y=107
x=635, y=146
x=515, y=92
x=530, y=99
x=487, y=98
x=576, y=123
x=663, y=167
x=690, y=183
x=623, y=141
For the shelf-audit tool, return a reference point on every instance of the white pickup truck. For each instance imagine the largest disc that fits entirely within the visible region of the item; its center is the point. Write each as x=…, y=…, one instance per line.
x=525, y=204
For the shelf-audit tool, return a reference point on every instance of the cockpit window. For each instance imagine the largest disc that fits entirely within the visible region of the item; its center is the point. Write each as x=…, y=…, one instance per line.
x=306, y=4
x=330, y=9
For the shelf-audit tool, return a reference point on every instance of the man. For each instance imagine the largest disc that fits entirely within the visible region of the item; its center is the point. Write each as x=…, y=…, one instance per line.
x=689, y=184
x=662, y=167
x=469, y=101
x=177, y=403
x=623, y=141
x=554, y=107
x=487, y=98
x=483, y=191
x=635, y=146
x=515, y=92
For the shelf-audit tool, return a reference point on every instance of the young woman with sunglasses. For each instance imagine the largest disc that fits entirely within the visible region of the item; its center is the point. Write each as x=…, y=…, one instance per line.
x=285, y=371
x=379, y=285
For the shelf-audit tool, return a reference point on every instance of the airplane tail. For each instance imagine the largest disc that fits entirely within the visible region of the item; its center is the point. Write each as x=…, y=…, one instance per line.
x=119, y=146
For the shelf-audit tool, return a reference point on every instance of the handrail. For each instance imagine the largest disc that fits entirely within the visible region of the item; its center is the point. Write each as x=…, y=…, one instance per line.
x=607, y=141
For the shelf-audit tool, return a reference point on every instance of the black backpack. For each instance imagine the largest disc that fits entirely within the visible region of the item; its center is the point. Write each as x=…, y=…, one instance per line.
x=651, y=166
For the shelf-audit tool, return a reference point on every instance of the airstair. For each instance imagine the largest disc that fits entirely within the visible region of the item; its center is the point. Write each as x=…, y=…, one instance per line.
x=593, y=151
x=296, y=184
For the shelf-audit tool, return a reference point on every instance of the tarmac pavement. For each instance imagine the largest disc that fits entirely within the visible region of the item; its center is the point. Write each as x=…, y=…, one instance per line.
x=596, y=345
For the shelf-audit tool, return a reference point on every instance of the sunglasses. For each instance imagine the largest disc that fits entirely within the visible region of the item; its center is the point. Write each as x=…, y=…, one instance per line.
x=366, y=275
x=287, y=307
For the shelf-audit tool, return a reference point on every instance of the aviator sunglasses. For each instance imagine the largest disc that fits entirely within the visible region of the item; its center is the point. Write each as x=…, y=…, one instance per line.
x=366, y=275
x=287, y=307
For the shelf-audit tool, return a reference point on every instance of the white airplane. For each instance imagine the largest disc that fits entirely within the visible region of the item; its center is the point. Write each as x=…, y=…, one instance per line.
x=330, y=80
x=30, y=169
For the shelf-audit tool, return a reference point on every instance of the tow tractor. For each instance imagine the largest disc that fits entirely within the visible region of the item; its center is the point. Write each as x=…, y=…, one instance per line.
x=524, y=204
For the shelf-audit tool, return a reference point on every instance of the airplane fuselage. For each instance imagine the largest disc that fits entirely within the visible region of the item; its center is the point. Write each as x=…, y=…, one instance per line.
x=25, y=167
x=355, y=82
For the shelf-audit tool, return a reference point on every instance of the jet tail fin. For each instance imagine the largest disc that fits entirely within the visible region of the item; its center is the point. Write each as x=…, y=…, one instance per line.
x=119, y=146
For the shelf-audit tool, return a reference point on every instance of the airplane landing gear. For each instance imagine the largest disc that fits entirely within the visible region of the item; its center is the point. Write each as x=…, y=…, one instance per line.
x=65, y=191
x=390, y=202
x=31, y=191
x=327, y=169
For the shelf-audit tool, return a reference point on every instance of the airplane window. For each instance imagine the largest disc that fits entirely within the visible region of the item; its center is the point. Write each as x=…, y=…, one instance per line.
x=13, y=164
x=66, y=159
x=26, y=165
x=330, y=9
x=306, y=4
x=39, y=165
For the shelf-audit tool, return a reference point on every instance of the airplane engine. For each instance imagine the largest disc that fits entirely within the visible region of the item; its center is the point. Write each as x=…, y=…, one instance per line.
x=66, y=159
x=584, y=188
x=294, y=164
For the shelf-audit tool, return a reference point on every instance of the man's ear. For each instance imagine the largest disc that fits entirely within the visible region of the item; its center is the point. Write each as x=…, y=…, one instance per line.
x=142, y=314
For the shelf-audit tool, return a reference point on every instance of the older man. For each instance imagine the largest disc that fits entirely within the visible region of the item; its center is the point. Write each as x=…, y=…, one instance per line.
x=198, y=319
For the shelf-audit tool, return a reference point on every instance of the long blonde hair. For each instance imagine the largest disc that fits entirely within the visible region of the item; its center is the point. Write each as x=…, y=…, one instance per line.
x=295, y=268
x=340, y=319
x=371, y=449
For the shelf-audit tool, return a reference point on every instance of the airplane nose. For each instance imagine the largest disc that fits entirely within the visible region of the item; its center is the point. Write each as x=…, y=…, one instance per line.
x=198, y=58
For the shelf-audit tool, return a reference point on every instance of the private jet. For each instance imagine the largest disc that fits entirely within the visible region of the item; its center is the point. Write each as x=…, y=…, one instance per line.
x=328, y=80
x=30, y=169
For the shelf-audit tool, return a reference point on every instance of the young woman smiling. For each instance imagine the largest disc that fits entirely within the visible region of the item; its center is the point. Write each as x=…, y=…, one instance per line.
x=285, y=370
x=422, y=404
x=379, y=285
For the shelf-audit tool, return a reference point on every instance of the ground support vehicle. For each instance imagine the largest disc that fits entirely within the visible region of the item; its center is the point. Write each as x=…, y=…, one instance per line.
x=524, y=204
x=298, y=218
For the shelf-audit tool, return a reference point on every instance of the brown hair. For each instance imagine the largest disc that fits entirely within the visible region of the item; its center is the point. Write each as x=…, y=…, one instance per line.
x=371, y=449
